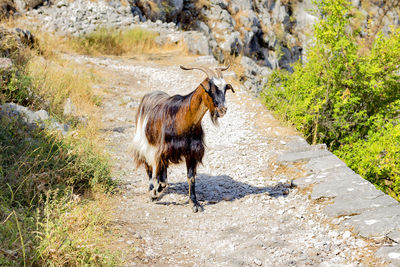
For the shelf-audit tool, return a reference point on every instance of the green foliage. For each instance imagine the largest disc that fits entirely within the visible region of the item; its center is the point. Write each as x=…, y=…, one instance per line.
x=43, y=222
x=16, y=87
x=14, y=82
x=377, y=158
x=342, y=95
x=33, y=164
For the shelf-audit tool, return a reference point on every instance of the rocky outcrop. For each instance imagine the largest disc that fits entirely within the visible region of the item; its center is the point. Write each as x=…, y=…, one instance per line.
x=273, y=33
x=23, y=5
x=39, y=119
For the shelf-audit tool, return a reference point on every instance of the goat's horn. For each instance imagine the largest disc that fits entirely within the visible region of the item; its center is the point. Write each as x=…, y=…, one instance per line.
x=210, y=74
x=221, y=69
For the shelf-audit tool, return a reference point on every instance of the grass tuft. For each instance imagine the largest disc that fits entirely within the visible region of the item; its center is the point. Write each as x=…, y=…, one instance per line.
x=116, y=42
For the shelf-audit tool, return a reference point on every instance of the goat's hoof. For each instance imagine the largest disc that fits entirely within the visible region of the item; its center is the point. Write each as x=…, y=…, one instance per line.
x=197, y=207
x=153, y=195
x=161, y=188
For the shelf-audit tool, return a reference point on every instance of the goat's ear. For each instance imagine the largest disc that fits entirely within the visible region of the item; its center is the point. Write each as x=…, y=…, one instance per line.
x=206, y=85
x=229, y=87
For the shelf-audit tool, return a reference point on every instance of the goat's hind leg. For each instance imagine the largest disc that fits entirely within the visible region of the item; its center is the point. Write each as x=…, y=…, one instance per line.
x=157, y=189
x=162, y=180
x=149, y=171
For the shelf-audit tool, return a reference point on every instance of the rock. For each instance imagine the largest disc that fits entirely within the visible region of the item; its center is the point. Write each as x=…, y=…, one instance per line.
x=23, y=5
x=5, y=63
x=69, y=108
x=257, y=262
x=346, y=234
x=238, y=5
x=43, y=115
x=202, y=27
x=196, y=43
x=14, y=110
x=161, y=10
x=33, y=119
x=132, y=104
x=233, y=44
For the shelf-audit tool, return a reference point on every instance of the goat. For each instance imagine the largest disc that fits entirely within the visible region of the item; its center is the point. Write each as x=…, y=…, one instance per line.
x=168, y=130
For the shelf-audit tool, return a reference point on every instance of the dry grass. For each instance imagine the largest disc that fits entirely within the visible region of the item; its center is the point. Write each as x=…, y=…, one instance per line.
x=67, y=229
x=75, y=231
x=199, y=4
x=237, y=16
x=115, y=42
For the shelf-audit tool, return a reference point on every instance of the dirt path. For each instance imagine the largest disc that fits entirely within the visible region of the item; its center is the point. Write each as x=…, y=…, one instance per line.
x=251, y=217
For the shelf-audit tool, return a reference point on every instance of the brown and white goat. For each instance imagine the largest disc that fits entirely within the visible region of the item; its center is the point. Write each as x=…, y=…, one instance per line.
x=168, y=130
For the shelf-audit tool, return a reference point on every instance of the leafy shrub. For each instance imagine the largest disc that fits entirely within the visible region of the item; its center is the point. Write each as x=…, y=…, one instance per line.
x=377, y=158
x=342, y=94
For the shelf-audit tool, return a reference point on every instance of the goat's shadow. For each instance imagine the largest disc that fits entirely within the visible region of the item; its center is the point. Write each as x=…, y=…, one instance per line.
x=214, y=189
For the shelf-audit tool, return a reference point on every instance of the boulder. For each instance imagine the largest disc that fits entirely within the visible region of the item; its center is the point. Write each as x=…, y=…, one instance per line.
x=23, y=5
x=39, y=119
x=196, y=43
x=161, y=10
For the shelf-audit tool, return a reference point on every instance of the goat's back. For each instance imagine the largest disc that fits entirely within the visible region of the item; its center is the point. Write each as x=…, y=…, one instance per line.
x=149, y=102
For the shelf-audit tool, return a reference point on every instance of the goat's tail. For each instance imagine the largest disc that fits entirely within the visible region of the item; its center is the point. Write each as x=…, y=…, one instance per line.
x=141, y=150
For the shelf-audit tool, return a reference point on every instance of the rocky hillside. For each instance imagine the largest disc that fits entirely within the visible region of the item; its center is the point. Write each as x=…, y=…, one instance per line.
x=267, y=34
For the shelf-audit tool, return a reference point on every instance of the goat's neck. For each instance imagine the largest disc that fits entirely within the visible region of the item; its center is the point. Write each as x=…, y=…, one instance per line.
x=192, y=115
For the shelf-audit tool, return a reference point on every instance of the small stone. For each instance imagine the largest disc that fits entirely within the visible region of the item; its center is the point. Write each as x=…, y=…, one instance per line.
x=69, y=108
x=132, y=104
x=257, y=262
x=333, y=233
x=127, y=99
x=5, y=63
x=228, y=197
x=346, y=235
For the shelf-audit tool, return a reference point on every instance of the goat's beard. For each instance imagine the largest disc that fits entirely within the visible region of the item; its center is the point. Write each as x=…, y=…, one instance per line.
x=214, y=117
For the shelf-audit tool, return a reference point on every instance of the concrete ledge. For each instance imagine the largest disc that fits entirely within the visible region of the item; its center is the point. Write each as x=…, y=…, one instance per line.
x=390, y=254
x=370, y=212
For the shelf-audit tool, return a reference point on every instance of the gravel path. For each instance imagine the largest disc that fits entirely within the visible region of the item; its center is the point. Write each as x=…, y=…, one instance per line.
x=252, y=216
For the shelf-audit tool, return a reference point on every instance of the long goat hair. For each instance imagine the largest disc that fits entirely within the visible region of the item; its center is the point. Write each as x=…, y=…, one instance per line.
x=169, y=130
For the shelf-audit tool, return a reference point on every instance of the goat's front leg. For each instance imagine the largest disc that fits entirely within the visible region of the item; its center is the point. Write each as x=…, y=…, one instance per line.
x=161, y=176
x=191, y=166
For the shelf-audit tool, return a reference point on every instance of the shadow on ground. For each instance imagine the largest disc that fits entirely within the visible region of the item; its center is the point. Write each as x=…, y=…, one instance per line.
x=214, y=189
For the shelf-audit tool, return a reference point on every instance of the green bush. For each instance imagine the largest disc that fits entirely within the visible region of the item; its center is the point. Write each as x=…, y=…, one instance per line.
x=347, y=93
x=377, y=158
